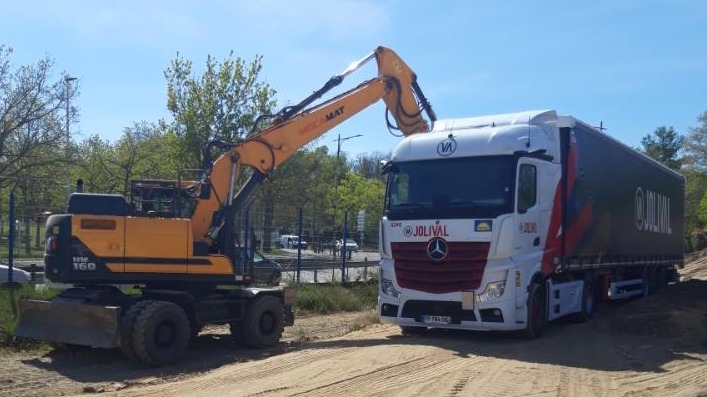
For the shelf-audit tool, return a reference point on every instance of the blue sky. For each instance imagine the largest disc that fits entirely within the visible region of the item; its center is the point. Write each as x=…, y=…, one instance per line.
x=634, y=65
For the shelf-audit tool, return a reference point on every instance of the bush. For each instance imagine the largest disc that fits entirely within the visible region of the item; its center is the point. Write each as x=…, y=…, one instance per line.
x=332, y=298
x=698, y=240
x=8, y=314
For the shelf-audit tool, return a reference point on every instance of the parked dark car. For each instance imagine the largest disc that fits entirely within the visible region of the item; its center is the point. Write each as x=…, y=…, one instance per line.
x=265, y=271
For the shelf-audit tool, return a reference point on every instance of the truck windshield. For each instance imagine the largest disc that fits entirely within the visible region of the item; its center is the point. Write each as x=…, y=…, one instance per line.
x=471, y=187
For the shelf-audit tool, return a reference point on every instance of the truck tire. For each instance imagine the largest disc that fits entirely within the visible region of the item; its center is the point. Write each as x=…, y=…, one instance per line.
x=264, y=322
x=536, y=312
x=161, y=333
x=589, y=302
x=126, y=329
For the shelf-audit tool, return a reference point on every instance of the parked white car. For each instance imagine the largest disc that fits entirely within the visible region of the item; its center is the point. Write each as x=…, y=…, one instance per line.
x=350, y=245
x=19, y=277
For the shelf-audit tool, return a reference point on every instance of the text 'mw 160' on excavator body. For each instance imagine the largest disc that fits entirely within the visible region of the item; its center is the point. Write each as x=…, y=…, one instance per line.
x=176, y=239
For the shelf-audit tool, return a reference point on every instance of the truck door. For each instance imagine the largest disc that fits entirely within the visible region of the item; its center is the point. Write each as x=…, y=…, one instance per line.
x=527, y=211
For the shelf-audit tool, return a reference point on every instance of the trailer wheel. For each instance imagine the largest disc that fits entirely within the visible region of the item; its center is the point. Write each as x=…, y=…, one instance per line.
x=126, y=329
x=264, y=322
x=161, y=333
x=661, y=277
x=536, y=312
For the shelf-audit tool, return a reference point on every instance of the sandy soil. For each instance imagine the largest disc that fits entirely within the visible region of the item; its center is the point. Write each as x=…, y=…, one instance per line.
x=655, y=346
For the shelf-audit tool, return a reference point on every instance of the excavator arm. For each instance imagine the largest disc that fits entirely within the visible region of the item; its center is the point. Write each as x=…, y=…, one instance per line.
x=296, y=126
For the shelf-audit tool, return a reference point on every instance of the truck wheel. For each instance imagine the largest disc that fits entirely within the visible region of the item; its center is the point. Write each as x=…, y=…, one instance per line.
x=126, y=329
x=589, y=302
x=536, y=312
x=161, y=333
x=264, y=322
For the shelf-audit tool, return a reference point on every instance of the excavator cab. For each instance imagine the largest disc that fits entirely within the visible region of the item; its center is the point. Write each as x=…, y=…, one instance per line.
x=161, y=198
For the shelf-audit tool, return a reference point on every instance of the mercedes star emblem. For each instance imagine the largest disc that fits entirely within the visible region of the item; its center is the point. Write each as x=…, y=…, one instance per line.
x=437, y=249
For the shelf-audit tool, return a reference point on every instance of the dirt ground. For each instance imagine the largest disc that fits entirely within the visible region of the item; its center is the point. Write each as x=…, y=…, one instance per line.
x=654, y=346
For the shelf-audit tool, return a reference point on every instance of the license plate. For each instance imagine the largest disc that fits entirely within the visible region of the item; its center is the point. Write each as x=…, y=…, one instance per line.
x=436, y=320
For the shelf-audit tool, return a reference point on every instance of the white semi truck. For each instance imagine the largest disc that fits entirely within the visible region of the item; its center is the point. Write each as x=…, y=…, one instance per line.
x=508, y=221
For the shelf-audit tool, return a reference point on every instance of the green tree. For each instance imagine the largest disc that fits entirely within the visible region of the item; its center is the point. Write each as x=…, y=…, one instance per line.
x=695, y=172
x=368, y=165
x=695, y=187
x=358, y=193
x=222, y=103
x=32, y=104
x=93, y=165
x=696, y=144
x=664, y=145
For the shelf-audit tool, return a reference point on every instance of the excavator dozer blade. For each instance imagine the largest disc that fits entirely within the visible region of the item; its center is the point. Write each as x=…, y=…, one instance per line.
x=69, y=322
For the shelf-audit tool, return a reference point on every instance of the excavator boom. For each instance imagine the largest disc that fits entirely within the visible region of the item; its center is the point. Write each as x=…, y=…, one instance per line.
x=296, y=126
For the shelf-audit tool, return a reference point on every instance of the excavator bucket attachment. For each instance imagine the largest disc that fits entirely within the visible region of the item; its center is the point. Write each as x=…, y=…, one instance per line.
x=69, y=322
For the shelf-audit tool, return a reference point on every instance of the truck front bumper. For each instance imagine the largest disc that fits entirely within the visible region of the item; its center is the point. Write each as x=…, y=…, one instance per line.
x=446, y=311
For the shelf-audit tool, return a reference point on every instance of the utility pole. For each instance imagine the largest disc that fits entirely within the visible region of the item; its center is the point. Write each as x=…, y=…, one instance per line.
x=340, y=139
x=68, y=80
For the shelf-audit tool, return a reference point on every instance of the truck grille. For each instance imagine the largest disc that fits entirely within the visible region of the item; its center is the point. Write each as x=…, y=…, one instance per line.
x=461, y=270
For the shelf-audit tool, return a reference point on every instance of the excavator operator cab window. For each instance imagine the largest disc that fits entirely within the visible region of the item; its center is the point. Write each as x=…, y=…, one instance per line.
x=153, y=198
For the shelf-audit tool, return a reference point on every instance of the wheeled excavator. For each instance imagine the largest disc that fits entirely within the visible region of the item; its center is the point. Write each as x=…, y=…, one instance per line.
x=175, y=240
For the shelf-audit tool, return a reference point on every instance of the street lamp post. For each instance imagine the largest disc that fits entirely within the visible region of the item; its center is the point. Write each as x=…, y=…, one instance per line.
x=340, y=139
x=68, y=80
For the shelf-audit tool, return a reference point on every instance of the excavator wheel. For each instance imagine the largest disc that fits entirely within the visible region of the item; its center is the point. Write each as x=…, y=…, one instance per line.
x=161, y=333
x=126, y=328
x=264, y=322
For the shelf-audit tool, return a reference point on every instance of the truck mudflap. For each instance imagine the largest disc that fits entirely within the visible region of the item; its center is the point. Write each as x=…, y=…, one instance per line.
x=67, y=321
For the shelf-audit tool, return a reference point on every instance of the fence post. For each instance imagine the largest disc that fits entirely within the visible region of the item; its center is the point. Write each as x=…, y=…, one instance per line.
x=343, y=247
x=299, y=244
x=11, y=239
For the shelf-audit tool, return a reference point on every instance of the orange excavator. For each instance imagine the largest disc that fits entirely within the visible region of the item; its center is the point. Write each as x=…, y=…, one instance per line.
x=175, y=240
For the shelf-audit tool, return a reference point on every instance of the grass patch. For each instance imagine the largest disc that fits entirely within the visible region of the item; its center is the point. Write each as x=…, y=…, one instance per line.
x=332, y=298
x=8, y=314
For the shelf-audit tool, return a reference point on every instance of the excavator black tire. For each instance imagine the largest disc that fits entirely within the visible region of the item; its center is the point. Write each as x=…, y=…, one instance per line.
x=264, y=322
x=161, y=333
x=127, y=323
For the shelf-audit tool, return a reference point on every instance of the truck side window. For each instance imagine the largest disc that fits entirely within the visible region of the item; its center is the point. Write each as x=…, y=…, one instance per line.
x=527, y=187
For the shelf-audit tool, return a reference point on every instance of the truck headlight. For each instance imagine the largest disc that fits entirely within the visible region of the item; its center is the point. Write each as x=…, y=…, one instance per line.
x=492, y=292
x=387, y=286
